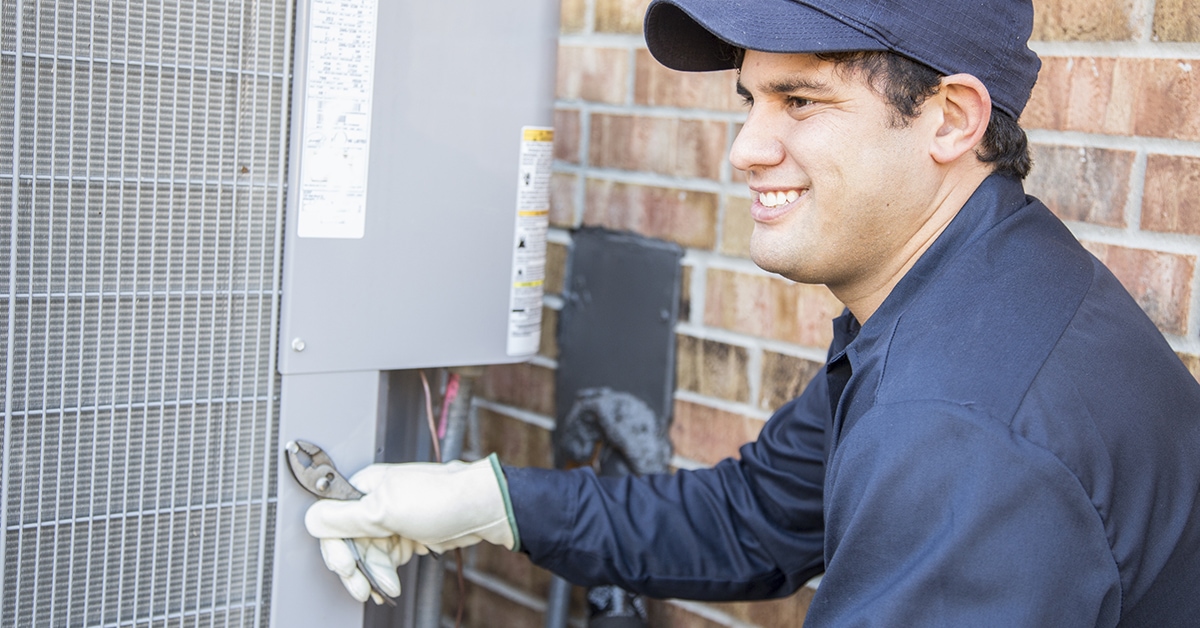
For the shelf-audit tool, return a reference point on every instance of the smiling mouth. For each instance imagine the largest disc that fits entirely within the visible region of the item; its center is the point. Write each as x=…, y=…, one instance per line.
x=777, y=199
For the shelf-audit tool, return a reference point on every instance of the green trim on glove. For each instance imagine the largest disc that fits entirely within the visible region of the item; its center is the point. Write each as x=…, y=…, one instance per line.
x=503, y=482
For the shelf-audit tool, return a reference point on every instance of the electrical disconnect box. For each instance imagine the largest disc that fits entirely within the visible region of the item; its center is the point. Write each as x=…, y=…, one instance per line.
x=418, y=184
x=418, y=197
x=226, y=224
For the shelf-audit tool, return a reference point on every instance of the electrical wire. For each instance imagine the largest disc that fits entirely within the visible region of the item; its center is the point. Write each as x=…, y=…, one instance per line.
x=447, y=399
x=434, y=434
x=437, y=448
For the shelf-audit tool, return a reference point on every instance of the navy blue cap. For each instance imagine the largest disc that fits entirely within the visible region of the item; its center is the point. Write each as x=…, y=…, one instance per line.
x=988, y=39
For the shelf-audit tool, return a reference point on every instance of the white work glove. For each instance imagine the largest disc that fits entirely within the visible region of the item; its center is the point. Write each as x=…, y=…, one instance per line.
x=380, y=556
x=412, y=507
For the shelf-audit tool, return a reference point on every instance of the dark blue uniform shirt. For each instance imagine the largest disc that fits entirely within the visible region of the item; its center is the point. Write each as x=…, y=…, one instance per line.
x=1008, y=441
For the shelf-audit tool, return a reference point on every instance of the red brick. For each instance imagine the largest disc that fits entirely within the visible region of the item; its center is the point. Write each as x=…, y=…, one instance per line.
x=709, y=435
x=484, y=609
x=736, y=227
x=1171, y=201
x=563, y=212
x=685, y=293
x=1084, y=184
x=1077, y=94
x=1082, y=20
x=1176, y=20
x=593, y=74
x=1126, y=96
x=567, y=135
x=671, y=146
x=523, y=385
x=712, y=368
x=770, y=307
x=784, y=378
x=515, y=569
x=515, y=442
x=549, y=339
x=664, y=614
x=572, y=16
x=556, y=267
x=620, y=16
x=788, y=611
x=657, y=85
x=686, y=217
x=737, y=176
x=1160, y=282
x=1192, y=362
x=1163, y=90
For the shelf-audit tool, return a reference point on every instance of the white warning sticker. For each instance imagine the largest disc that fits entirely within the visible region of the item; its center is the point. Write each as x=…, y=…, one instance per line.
x=336, y=132
x=529, y=240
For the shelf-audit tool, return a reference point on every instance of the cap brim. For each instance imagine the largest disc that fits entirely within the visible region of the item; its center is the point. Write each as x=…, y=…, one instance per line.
x=702, y=35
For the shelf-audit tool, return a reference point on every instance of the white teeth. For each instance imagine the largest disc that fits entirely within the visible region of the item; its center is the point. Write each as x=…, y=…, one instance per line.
x=776, y=199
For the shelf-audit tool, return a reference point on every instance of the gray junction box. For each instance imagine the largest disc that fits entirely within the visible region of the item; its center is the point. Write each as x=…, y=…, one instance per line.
x=417, y=210
x=418, y=184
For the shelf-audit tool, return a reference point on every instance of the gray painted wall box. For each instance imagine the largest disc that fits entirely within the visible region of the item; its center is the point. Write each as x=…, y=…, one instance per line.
x=418, y=184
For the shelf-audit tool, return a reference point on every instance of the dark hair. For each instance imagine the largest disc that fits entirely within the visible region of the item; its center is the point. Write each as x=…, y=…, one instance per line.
x=906, y=84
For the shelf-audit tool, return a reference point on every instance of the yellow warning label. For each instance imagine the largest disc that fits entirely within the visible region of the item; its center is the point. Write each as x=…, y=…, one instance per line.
x=534, y=171
x=537, y=135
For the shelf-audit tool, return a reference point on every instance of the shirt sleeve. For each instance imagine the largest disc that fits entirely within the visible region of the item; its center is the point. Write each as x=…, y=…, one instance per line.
x=939, y=516
x=743, y=529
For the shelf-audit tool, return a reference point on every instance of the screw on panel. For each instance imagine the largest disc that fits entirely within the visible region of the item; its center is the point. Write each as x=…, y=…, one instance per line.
x=297, y=344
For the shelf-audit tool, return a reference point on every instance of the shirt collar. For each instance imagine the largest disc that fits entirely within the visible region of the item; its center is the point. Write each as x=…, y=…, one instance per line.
x=996, y=198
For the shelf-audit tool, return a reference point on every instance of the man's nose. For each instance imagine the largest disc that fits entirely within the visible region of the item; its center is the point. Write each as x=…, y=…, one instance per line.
x=756, y=146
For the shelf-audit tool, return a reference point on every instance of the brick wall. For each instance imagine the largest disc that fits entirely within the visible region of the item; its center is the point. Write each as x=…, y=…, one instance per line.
x=1115, y=128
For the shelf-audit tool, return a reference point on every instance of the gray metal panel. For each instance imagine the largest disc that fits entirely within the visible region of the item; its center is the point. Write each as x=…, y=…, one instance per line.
x=616, y=328
x=141, y=189
x=339, y=412
x=403, y=437
x=429, y=283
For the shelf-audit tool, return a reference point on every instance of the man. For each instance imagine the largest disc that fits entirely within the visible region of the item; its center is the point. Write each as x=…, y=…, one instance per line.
x=1001, y=437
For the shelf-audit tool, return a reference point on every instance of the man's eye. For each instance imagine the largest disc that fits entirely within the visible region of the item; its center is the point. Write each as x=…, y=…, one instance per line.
x=795, y=102
x=747, y=100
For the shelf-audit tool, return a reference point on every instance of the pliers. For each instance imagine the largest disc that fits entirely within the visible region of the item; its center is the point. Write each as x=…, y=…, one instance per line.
x=314, y=470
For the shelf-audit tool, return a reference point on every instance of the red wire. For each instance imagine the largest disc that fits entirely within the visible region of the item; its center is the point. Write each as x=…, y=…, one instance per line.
x=434, y=435
x=451, y=393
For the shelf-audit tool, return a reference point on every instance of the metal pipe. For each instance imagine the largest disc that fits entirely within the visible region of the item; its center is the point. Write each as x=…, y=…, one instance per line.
x=558, y=603
x=431, y=571
x=429, y=593
x=460, y=411
x=632, y=440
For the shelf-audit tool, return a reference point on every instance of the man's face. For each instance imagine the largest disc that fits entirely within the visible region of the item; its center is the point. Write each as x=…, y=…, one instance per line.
x=840, y=188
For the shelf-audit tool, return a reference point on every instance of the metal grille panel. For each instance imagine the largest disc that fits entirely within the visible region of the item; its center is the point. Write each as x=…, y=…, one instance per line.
x=142, y=157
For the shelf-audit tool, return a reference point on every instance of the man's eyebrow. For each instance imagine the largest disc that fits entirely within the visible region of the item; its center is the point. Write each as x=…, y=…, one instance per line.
x=787, y=86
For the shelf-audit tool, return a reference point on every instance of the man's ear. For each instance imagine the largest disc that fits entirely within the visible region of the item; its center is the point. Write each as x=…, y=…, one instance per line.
x=965, y=109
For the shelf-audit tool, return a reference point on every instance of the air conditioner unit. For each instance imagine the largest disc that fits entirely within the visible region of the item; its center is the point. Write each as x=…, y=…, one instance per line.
x=198, y=267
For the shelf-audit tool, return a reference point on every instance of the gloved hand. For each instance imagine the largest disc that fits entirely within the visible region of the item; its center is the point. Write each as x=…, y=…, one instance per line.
x=380, y=556
x=412, y=507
